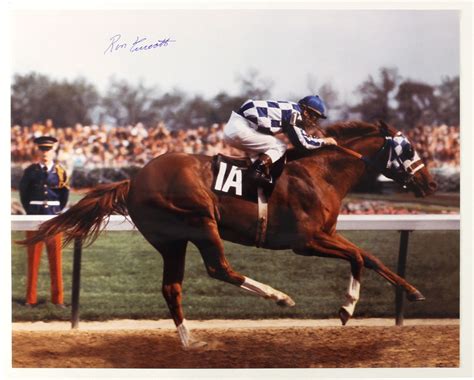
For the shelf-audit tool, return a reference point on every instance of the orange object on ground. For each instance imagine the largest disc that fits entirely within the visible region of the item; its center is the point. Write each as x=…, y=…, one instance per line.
x=54, y=249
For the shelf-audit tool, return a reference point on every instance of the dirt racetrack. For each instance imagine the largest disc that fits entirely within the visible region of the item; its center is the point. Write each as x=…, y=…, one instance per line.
x=259, y=344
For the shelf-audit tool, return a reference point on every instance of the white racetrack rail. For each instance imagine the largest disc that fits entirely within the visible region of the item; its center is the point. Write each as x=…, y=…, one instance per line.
x=431, y=222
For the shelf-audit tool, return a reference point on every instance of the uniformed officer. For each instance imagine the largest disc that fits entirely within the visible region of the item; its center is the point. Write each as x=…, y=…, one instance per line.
x=44, y=191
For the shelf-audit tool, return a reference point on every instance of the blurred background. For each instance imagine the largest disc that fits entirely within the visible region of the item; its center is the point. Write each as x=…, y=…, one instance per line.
x=113, y=110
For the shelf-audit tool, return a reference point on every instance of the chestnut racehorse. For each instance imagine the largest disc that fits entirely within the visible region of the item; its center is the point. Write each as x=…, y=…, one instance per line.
x=171, y=203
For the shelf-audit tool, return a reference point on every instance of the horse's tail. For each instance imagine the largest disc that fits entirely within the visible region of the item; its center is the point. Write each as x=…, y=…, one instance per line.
x=84, y=219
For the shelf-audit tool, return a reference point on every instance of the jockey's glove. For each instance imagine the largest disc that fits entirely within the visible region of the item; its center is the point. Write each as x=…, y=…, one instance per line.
x=329, y=141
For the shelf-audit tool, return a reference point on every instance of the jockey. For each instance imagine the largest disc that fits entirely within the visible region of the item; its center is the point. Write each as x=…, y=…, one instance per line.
x=254, y=126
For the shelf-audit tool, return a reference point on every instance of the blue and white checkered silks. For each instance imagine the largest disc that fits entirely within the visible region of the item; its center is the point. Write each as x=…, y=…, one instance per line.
x=303, y=140
x=274, y=116
x=402, y=155
x=270, y=116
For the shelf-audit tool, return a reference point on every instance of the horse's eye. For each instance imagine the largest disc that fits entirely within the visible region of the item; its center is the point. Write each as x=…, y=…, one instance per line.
x=410, y=152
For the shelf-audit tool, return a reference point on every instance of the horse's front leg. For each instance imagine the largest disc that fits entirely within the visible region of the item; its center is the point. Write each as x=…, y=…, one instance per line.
x=371, y=262
x=174, y=254
x=325, y=245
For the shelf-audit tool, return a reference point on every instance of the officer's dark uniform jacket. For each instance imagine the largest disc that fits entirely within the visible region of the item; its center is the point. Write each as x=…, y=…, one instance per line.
x=43, y=192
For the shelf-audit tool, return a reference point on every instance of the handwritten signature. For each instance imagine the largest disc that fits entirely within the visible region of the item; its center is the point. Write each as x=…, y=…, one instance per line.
x=140, y=44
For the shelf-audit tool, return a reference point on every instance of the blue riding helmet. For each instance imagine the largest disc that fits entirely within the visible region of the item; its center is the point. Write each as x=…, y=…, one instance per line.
x=315, y=104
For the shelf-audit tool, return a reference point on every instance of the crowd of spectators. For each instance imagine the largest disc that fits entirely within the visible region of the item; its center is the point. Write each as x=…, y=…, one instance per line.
x=96, y=146
x=366, y=207
x=104, y=146
x=439, y=145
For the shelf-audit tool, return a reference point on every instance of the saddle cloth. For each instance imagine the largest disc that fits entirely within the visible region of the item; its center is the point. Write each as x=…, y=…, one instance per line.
x=230, y=177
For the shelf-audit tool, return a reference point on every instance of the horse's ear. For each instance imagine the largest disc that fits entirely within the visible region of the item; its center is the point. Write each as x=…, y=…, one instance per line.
x=384, y=127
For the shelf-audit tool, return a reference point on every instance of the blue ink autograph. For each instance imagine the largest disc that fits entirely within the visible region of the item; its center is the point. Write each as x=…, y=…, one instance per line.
x=140, y=44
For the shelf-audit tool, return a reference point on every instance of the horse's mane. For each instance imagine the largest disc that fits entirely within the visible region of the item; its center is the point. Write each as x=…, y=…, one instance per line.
x=352, y=128
x=341, y=131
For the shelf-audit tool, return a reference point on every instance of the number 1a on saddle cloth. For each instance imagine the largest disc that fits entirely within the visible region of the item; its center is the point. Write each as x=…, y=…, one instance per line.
x=230, y=177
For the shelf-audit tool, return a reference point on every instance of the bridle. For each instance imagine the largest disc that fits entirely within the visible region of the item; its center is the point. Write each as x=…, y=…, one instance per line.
x=394, y=165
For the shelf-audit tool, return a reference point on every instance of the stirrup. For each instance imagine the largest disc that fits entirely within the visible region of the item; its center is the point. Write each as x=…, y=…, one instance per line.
x=260, y=178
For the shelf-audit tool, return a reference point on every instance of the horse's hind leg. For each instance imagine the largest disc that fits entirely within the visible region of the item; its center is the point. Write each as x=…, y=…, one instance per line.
x=174, y=254
x=211, y=248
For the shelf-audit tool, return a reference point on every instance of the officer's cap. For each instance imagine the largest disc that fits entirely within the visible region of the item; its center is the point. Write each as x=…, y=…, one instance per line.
x=45, y=142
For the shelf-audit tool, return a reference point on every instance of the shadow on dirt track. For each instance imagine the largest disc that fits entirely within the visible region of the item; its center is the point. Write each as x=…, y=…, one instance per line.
x=332, y=347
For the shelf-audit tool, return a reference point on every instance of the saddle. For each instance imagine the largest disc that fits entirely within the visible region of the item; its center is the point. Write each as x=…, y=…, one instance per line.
x=230, y=177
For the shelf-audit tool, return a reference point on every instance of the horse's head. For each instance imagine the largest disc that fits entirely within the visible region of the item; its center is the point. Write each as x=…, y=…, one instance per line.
x=403, y=164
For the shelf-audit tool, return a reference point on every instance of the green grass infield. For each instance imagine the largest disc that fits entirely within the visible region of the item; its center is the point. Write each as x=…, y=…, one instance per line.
x=121, y=278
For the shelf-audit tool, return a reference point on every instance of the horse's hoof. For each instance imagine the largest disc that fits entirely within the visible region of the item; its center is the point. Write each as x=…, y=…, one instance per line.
x=344, y=316
x=415, y=296
x=288, y=302
x=194, y=345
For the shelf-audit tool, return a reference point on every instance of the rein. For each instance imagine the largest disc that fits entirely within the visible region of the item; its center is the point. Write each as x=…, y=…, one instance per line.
x=350, y=152
x=367, y=161
x=357, y=155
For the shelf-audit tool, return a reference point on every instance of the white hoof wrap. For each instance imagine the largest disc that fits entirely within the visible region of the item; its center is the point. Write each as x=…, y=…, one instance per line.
x=186, y=339
x=184, y=334
x=352, y=296
x=265, y=291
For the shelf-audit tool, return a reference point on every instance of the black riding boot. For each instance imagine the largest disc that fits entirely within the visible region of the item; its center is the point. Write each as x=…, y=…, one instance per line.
x=259, y=172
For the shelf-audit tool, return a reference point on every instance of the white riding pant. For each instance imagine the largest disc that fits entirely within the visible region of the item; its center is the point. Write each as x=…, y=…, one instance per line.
x=239, y=133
